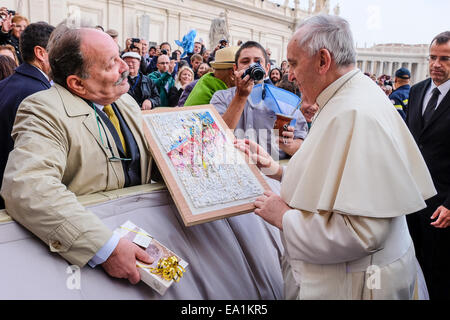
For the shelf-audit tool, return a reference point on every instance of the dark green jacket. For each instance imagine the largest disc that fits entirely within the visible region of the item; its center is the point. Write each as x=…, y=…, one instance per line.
x=163, y=82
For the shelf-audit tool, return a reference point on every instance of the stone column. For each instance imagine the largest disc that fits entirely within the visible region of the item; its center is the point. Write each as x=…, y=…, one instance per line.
x=129, y=26
x=115, y=18
x=173, y=32
x=363, y=65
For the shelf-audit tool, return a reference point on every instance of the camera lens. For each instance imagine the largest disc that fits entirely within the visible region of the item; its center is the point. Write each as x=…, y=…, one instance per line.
x=257, y=74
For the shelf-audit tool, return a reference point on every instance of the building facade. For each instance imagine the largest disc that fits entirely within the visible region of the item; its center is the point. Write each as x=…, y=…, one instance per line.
x=267, y=22
x=387, y=58
x=270, y=23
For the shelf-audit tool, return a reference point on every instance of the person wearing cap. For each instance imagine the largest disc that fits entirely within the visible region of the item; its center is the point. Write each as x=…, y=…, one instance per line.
x=399, y=97
x=221, y=79
x=255, y=120
x=142, y=89
x=223, y=43
x=113, y=34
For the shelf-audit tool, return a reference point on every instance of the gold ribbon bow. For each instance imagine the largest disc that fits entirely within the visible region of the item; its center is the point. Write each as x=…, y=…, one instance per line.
x=169, y=269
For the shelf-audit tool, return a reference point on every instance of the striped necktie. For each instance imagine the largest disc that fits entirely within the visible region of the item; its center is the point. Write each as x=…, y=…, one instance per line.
x=115, y=121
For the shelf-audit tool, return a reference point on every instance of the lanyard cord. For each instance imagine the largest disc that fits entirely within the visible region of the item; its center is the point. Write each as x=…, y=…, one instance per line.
x=135, y=84
x=113, y=157
x=98, y=123
x=99, y=130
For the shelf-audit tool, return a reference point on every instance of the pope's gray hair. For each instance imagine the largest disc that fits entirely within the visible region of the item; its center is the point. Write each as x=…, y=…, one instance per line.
x=328, y=32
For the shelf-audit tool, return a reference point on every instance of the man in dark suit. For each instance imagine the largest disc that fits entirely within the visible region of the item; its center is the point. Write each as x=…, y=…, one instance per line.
x=30, y=77
x=428, y=118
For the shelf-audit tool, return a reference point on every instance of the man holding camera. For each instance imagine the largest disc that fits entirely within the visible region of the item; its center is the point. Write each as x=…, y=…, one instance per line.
x=255, y=121
x=164, y=49
x=223, y=43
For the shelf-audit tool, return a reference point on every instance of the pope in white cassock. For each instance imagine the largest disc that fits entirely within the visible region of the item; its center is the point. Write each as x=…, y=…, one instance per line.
x=346, y=191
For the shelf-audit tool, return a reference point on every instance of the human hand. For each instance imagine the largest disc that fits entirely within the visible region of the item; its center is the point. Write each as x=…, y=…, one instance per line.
x=147, y=105
x=271, y=208
x=3, y=13
x=243, y=86
x=443, y=217
x=6, y=22
x=309, y=110
x=287, y=143
x=171, y=66
x=260, y=157
x=122, y=261
x=287, y=136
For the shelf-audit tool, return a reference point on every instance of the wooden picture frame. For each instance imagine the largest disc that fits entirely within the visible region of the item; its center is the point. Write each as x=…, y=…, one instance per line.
x=176, y=173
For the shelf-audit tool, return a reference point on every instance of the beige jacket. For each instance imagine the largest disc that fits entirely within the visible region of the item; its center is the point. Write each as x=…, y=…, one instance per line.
x=58, y=155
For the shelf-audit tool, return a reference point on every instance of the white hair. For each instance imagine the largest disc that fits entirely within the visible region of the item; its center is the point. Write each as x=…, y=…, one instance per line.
x=331, y=33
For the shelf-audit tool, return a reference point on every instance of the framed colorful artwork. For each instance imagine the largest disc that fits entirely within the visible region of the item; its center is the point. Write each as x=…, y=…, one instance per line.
x=206, y=175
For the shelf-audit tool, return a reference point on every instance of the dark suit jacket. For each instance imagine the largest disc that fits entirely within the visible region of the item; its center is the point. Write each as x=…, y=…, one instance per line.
x=433, y=139
x=23, y=83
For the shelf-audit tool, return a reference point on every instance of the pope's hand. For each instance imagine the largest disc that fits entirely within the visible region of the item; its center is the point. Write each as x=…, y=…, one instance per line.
x=122, y=261
x=443, y=217
x=271, y=208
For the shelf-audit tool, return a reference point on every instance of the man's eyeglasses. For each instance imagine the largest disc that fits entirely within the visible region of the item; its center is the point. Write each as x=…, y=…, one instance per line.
x=441, y=58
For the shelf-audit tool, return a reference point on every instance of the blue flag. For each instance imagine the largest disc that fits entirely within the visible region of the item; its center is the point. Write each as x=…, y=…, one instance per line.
x=276, y=99
x=188, y=42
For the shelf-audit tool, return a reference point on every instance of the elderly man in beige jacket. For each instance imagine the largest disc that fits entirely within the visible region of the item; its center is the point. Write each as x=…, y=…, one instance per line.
x=82, y=136
x=346, y=191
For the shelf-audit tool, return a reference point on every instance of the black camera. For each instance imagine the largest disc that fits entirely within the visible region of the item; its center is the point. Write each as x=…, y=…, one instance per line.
x=12, y=12
x=135, y=40
x=164, y=51
x=256, y=72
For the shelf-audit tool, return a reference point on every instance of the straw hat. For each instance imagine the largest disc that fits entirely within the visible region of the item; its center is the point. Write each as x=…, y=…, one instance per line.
x=224, y=58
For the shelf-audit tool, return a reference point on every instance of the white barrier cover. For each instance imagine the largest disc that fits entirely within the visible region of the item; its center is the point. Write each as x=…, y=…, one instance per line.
x=231, y=259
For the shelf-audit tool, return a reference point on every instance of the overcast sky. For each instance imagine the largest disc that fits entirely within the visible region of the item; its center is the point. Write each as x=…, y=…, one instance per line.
x=393, y=21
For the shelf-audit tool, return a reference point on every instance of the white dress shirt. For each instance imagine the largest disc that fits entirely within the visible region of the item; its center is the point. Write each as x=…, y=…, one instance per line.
x=443, y=88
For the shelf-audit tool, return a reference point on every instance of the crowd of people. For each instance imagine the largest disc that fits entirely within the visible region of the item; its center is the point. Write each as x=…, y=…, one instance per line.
x=352, y=177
